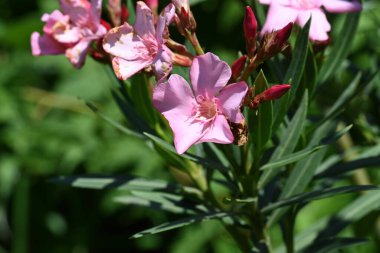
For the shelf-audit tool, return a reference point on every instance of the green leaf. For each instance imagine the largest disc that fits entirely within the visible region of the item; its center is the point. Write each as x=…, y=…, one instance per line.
x=123, y=183
x=345, y=167
x=340, y=48
x=180, y=223
x=292, y=158
x=288, y=141
x=333, y=245
x=261, y=122
x=114, y=123
x=131, y=11
x=310, y=74
x=303, y=171
x=293, y=74
x=161, y=201
x=318, y=194
x=326, y=228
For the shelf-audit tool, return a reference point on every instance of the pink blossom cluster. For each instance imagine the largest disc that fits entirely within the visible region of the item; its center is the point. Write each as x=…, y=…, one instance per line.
x=204, y=110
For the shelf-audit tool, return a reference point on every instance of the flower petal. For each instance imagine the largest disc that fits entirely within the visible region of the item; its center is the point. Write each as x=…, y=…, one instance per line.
x=319, y=27
x=208, y=75
x=175, y=101
x=122, y=42
x=278, y=17
x=230, y=100
x=124, y=69
x=164, y=20
x=45, y=45
x=340, y=6
x=163, y=62
x=144, y=24
x=78, y=10
x=218, y=132
x=77, y=54
x=96, y=9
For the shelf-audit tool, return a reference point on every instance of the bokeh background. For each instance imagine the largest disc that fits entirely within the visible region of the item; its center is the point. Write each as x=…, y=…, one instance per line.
x=46, y=130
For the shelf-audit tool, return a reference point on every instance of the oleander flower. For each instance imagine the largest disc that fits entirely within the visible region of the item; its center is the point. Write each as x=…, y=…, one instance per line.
x=71, y=31
x=142, y=45
x=281, y=12
x=201, y=113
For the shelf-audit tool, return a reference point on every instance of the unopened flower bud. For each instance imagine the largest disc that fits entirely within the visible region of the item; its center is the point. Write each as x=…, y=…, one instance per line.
x=238, y=66
x=283, y=34
x=179, y=4
x=275, y=92
x=124, y=14
x=152, y=4
x=250, y=30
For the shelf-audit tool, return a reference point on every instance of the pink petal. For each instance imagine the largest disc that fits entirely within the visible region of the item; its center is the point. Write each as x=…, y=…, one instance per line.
x=52, y=19
x=164, y=20
x=163, y=62
x=96, y=8
x=77, y=54
x=218, y=132
x=175, y=101
x=278, y=17
x=45, y=45
x=230, y=99
x=144, y=24
x=265, y=1
x=67, y=35
x=124, y=69
x=78, y=10
x=340, y=6
x=122, y=42
x=208, y=75
x=319, y=27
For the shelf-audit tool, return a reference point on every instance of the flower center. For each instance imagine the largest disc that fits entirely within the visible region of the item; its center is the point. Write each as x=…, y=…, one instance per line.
x=306, y=4
x=207, y=109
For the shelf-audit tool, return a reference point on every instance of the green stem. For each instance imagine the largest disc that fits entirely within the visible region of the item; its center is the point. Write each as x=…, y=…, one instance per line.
x=192, y=37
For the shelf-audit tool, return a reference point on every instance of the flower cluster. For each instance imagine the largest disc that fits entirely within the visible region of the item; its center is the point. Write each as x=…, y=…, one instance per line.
x=208, y=109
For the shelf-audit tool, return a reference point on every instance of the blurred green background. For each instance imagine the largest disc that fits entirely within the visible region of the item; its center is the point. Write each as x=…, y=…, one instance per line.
x=46, y=130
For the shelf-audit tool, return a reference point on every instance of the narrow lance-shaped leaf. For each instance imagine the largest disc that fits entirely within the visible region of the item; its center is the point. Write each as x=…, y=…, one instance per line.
x=340, y=48
x=326, y=228
x=288, y=141
x=333, y=245
x=180, y=223
x=318, y=194
x=293, y=74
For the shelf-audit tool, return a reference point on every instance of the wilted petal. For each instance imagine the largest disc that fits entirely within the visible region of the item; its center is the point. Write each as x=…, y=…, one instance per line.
x=340, y=6
x=209, y=74
x=164, y=20
x=319, y=26
x=45, y=45
x=78, y=10
x=278, y=16
x=179, y=4
x=144, y=25
x=122, y=42
x=77, y=54
x=230, y=100
x=163, y=62
x=218, y=132
x=124, y=69
x=175, y=101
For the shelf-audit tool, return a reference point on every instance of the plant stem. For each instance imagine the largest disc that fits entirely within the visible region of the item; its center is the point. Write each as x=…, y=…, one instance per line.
x=192, y=37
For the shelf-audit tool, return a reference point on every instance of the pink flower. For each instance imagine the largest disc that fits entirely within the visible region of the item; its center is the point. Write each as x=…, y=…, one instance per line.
x=70, y=32
x=201, y=113
x=281, y=12
x=142, y=45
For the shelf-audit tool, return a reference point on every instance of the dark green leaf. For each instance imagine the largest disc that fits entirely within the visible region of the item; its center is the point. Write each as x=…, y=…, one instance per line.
x=318, y=194
x=293, y=74
x=340, y=48
x=333, y=244
x=288, y=141
x=180, y=223
x=131, y=10
x=292, y=158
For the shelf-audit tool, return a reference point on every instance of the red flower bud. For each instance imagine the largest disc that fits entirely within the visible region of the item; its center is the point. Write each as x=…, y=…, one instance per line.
x=250, y=30
x=152, y=4
x=283, y=35
x=105, y=24
x=238, y=66
x=275, y=92
x=124, y=14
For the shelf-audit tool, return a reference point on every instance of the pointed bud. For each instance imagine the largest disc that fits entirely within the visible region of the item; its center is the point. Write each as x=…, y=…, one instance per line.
x=124, y=14
x=238, y=66
x=250, y=30
x=105, y=24
x=275, y=92
x=283, y=34
x=152, y=4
